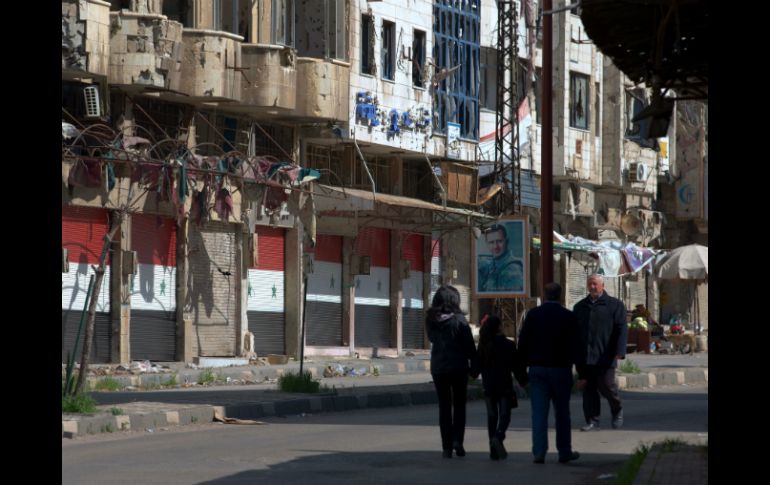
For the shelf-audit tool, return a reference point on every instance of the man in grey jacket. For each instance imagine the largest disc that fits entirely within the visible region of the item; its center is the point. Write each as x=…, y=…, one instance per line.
x=603, y=335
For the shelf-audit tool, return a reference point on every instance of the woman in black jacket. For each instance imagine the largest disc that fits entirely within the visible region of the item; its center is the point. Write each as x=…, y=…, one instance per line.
x=498, y=358
x=452, y=355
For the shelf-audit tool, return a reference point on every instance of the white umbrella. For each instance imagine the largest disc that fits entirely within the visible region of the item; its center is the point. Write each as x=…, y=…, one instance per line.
x=685, y=263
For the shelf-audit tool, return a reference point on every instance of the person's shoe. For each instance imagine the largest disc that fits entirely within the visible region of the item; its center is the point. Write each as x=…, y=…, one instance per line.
x=539, y=460
x=572, y=456
x=592, y=426
x=459, y=450
x=493, y=451
x=446, y=454
x=499, y=448
x=617, y=420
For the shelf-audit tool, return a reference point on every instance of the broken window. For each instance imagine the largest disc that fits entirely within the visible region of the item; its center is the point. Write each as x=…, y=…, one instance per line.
x=380, y=169
x=388, y=50
x=456, y=52
x=418, y=181
x=488, y=94
x=597, y=110
x=367, y=44
x=578, y=101
x=283, y=25
x=336, y=45
x=180, y=11
x=538, y=87
x=330, y=162
x=418, y=58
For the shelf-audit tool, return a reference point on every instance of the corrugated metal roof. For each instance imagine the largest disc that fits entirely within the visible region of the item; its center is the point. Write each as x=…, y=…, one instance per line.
x=530, y=190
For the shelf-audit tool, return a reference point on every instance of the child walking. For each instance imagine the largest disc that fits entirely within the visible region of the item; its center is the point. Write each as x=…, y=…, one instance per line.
x=498, y=359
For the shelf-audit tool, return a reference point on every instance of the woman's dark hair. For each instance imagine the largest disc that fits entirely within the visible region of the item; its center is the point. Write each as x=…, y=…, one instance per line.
x=446, y=300
x=486, y=339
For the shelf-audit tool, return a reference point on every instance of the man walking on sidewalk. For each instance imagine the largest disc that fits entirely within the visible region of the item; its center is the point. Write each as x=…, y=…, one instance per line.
x=548, y=344
x=603, y=335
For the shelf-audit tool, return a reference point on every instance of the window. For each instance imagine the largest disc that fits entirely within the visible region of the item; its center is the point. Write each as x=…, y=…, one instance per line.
x=488, y=91
x=598, y=110
x=233, y=16
x=367, y=44
x=578, y=101
x=329, y=162
x=380, y=169
x=418, y=58
x=537, y=88
x=418, y=182
x=180, y=11
x=388, y=50
x=336, y=42
x=457, y=51
x=283, y=22
x=633, y=106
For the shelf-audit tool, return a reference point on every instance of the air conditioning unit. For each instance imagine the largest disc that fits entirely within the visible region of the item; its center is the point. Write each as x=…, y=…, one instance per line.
x=93, y=105
x=638, y=172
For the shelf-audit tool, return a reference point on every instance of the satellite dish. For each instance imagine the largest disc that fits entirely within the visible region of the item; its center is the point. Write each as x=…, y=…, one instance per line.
x=631, y=225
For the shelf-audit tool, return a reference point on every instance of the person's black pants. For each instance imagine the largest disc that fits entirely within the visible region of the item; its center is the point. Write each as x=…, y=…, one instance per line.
x=498, y=416
x=600, y=380
x=452, y=389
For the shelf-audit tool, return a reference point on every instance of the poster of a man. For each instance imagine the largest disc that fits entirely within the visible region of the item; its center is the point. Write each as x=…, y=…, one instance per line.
x=501, y=259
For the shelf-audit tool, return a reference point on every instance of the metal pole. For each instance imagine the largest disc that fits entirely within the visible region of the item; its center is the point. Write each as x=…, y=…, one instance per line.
x=302, y=338
x=546, y=197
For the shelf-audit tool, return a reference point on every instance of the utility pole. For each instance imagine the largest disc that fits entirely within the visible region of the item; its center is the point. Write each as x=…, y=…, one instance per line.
x=546, y=161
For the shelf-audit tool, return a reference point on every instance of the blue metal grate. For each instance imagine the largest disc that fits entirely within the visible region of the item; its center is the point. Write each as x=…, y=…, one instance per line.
x=457, y=42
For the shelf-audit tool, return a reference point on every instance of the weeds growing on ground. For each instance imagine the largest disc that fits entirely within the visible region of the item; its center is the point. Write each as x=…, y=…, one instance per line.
x=80, y=403
x=630, y=468
x=206, y=377
x=629, y=367
x=294, y=382
x=108, y=384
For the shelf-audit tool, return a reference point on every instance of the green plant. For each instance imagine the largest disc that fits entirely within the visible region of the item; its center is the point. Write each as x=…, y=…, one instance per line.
x=172, y=381
x=630, y=468
x=116, y=411
x=79, y=403
x=629, y=367
x=206, y=377
x=193, y=419
x=294, y=382
x=108, y=384
x=672, y=444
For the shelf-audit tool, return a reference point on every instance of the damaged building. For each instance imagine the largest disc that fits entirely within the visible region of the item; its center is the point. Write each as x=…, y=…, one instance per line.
x=263, y=162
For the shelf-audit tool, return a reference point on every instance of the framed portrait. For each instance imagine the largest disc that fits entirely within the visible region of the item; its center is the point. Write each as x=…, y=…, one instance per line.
x=501, y=259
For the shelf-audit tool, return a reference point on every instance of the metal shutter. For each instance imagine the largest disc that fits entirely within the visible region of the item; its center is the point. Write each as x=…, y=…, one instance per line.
x=413, y=312
x=267, y=277
x=323, y=313
x=372, y=301
x=153, y=288
x=83, y=230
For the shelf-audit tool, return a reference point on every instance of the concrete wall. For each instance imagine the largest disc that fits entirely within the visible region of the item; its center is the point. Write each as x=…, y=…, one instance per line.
x=272, y=76
x=322, y=88
x=208, y=64
x=145, y=50
x=86, y=33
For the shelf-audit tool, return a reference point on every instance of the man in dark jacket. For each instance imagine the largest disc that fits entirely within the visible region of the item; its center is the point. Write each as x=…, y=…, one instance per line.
x=548, y=345
x=603, y=336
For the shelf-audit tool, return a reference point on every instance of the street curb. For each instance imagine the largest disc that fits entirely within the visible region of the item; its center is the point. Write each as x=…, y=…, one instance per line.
x=256, y=373
x=78, y=425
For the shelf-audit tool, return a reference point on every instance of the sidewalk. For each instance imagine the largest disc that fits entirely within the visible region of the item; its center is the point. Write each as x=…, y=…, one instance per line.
x=253, y=392
x=686, y=465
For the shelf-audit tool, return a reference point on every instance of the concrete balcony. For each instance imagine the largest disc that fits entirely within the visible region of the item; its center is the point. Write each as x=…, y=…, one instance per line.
x=145, y=51
x=323, y=89
x=85, y=38
x=210, y=65
x=270, y=80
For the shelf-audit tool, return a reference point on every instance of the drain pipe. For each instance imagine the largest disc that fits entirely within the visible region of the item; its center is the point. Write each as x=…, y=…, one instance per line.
x=438, y=182
x=366, y=167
